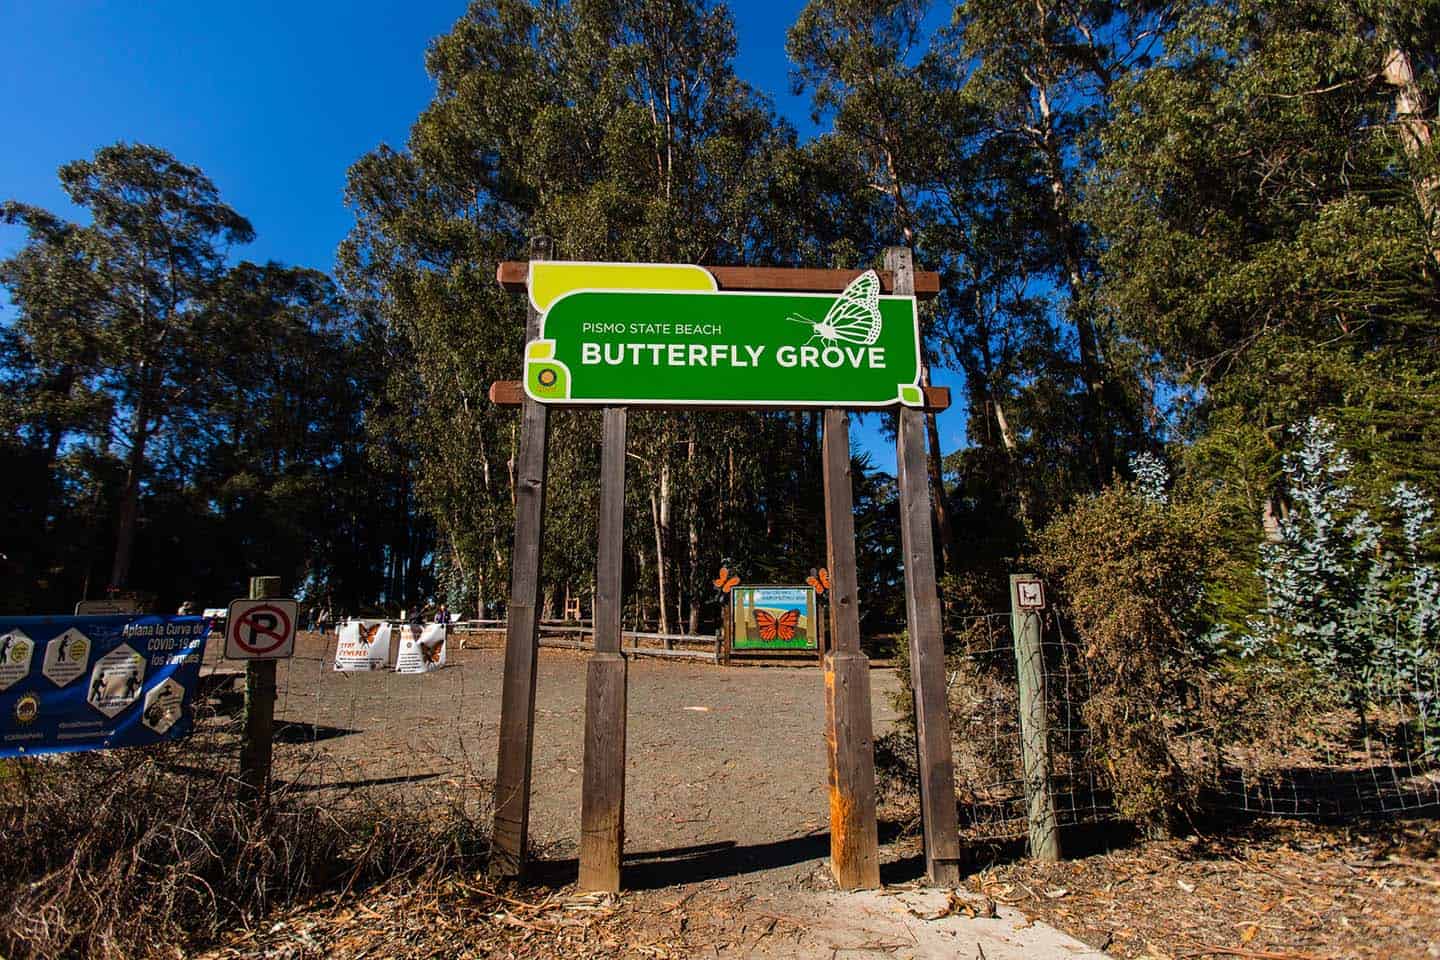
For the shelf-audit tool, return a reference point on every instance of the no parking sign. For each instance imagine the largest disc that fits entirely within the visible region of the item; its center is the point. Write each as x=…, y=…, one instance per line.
x=261, y=629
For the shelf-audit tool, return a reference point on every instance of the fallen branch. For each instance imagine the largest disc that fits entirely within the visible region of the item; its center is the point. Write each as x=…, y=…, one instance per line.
x=1251, y=954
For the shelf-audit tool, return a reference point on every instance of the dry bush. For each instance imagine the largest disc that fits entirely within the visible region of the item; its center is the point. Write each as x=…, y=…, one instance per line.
x=1130, y=574
x=984, y=720
x=137, y=852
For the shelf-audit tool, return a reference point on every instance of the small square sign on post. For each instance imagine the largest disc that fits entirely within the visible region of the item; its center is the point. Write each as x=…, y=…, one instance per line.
x=1030, y=594
x=261, y=629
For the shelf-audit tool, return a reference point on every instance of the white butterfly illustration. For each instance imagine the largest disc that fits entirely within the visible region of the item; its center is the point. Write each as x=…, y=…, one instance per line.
x=854, y=317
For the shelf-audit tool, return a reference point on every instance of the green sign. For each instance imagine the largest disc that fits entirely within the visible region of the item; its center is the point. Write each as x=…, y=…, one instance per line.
x=663, y=334
x=773, y=618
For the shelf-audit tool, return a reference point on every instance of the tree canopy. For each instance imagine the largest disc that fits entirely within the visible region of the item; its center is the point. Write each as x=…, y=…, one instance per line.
x=1178, y=229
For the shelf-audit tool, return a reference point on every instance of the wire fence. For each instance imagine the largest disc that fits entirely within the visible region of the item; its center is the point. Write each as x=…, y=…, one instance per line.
x=364, y=739
x=984, y=714
x=361, y=737
x=1316, y=761
x=1373, y=752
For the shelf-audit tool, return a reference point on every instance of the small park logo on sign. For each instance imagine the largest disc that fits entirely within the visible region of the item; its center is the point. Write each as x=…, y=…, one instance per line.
x=261, y=629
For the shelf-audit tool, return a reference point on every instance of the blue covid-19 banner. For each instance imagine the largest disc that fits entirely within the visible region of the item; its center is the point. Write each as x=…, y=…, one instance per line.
x=91, y=683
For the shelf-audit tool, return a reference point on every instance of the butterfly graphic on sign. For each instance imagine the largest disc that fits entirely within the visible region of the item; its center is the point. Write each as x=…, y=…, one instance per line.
x=772, y=627
x=367, y=634
x=854, y=317
x=432, y=652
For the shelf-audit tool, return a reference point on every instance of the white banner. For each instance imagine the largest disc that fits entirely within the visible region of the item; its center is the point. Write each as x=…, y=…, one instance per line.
x=364, y=645
x=421, y=652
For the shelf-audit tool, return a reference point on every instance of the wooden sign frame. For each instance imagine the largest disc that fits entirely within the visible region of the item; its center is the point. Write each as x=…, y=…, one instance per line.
x=854, y=841
x=813, y=615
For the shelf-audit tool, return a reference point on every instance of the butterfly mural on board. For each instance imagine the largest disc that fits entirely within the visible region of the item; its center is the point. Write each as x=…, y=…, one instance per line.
x=854, y=317
x=772, y=627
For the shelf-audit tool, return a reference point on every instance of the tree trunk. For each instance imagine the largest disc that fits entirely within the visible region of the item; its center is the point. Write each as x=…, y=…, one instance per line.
x=660, y=515
x=639, y=583
x=939, y=503
x=693, y=534
x=479, y=593
x=1066, y=235
x=1415, y=136
x=1007, y=439
x=130, y=495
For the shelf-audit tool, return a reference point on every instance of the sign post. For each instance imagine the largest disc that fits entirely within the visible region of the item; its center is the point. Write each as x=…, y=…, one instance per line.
x=602, y=797
x=257, y=747
x=522, y=634
x=926, y=633
x=1027, y=604
x=618, y=335
x=849, y=732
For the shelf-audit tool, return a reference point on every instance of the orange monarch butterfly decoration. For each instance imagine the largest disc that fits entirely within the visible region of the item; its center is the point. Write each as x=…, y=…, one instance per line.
x=819, y=581
x=727, y=581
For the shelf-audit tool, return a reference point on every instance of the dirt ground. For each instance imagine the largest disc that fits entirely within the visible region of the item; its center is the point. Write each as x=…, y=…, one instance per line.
x=725, y=765
x=726, y=841
x=1277, y=889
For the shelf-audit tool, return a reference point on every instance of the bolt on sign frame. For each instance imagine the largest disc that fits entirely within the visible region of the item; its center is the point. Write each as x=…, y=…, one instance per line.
x=717, y=337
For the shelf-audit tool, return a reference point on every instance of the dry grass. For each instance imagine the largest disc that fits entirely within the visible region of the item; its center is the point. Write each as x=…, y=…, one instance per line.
x=130, y=853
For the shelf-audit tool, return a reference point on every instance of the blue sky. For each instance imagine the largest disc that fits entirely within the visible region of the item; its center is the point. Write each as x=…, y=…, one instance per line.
x=273, y=101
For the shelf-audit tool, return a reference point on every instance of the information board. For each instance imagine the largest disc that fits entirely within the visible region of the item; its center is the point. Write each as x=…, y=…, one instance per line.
x=773, y=617
x=363, y=645
x=422, y=649
x=90, y=683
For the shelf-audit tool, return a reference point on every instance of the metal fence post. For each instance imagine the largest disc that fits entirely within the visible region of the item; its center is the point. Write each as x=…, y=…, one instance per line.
x=257, y=746
x=1027, y=601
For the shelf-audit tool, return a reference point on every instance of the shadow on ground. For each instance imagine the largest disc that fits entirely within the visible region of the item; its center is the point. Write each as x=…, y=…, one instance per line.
x=655, y=869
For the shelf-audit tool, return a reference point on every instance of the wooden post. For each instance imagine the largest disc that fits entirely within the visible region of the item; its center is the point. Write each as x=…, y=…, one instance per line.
x=602, y=793
x=258, y=746
x=819, y=627
x=927, y=646
x=1034, y=728
x=727, y=627
x=522, y=634
x=850, y=747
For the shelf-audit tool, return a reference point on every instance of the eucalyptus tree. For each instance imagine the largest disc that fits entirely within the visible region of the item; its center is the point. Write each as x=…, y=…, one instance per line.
x=121, y=306
x=858, y=61
x=1041, y=78
x=1261, y=197
x=285, y=458
x=620, y=131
